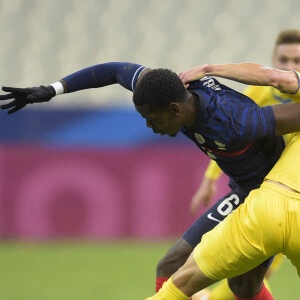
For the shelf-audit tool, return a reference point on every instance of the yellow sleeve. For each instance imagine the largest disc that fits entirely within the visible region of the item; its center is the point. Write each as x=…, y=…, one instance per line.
x=253, y=91
x=261, y=95
x=213, y=171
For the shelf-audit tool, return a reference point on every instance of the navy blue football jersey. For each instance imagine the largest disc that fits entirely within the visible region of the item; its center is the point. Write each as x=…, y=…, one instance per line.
x=234, y=131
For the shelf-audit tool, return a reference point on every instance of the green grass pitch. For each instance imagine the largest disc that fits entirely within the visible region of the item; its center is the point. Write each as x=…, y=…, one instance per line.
x=86, y=270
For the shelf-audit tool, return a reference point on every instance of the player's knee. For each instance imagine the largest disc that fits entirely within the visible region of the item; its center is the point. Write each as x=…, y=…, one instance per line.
x=174, y=259
x=247, y=285
x=170, y=263
x=234, y=284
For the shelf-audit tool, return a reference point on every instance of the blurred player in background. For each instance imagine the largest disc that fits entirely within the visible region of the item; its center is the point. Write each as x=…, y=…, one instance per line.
x=223, y=123
x=286, y=56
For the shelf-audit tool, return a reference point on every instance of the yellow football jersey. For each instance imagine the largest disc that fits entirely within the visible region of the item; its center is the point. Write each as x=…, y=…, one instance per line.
x=267, y=95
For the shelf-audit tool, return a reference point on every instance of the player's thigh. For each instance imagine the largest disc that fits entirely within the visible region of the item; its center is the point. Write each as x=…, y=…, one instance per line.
x=214, y=215
x=243, y=240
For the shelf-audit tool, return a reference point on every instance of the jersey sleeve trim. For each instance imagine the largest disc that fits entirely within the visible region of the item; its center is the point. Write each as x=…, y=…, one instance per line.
x=136, y=76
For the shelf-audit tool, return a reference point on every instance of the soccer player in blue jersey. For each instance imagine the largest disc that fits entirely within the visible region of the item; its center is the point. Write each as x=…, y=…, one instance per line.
x=226, y=125
x=286, y=56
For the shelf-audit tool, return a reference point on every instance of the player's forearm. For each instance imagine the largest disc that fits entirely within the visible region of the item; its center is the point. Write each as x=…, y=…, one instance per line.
x=126, y=74
x=255, y=74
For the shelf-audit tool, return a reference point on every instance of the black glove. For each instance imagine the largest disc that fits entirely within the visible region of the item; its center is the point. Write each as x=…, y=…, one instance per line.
x=22, y=97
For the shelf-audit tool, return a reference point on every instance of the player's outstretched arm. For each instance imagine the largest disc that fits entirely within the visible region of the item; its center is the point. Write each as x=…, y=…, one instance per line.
x=126, y=74
x=248, y=73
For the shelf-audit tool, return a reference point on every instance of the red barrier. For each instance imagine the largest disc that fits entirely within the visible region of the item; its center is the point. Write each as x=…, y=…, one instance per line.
x=142, y=193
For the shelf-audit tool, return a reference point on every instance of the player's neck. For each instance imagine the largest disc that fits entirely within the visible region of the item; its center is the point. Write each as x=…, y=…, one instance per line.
x=191, y=111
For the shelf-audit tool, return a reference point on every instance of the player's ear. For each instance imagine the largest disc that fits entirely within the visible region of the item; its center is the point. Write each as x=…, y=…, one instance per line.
x=174, y=108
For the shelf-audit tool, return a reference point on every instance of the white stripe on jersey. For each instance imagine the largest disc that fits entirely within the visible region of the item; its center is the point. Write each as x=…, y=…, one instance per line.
x=133, y=78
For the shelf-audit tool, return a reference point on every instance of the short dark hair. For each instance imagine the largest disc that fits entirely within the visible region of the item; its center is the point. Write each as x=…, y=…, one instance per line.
x=290, y=36
x=159, y=88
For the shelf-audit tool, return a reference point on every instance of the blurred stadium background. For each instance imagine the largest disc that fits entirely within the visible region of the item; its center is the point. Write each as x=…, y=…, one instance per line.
x=90, y=198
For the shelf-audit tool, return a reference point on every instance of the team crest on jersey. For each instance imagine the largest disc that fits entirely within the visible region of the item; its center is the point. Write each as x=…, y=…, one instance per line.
x=220, y=146
x=200, y=139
